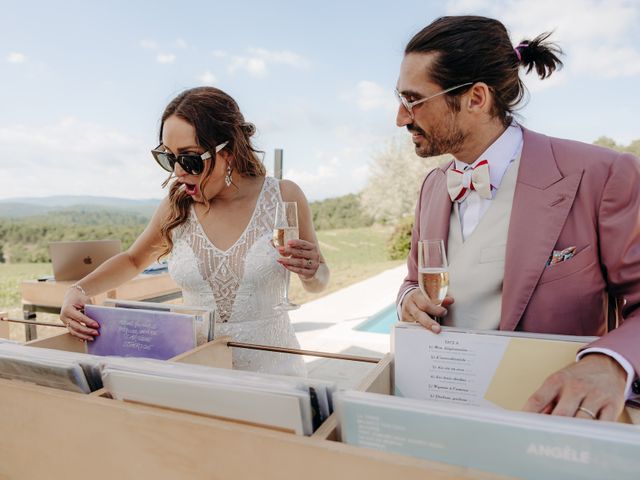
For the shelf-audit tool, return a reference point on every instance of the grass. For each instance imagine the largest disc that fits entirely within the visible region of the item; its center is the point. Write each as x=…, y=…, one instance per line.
x=11, y=274
x=352, y=255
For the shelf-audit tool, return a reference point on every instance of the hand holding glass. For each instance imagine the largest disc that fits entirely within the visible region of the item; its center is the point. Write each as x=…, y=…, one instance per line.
x=433, y=271
x=285, y=229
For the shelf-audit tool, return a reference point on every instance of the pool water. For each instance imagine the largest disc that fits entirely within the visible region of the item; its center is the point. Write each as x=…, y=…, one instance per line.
x=380, y=322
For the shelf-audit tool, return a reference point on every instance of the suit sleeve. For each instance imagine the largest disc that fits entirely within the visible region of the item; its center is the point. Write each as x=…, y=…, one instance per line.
x=411, y=280
x=619, y=233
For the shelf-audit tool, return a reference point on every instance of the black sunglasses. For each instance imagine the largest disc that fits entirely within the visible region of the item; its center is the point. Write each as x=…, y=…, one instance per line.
x=192, y=163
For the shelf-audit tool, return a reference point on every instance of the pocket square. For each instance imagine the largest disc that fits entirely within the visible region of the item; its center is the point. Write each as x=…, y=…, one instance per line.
x=561, y=256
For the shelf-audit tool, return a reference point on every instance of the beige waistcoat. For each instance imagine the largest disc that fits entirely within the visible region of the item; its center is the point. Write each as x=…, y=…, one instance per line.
x=476, y=266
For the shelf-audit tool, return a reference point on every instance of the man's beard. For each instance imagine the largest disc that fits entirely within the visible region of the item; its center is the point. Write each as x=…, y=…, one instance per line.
x=435, y=143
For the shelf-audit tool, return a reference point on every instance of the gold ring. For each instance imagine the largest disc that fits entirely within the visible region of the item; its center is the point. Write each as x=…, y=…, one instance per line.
x=587, y=411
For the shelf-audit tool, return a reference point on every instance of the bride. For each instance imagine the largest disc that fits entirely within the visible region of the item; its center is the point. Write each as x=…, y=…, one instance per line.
x=216, y=225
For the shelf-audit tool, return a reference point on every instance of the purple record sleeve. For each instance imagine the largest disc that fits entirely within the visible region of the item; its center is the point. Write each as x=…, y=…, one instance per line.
x=128, y=332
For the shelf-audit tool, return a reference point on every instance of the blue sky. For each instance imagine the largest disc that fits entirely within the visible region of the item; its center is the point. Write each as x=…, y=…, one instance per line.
x=83, y=83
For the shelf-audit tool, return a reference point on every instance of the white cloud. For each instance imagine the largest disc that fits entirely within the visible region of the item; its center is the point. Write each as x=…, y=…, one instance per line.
x=283, y=57
x=371, y=96
x=16, y=57
x=331, y=177
x=256, y=67
x=148, y=44
x=207, y=78
x=165, y=58
x=594, y=33
x=72, y=157
x=181, y=43
x=258, y=60
x=219, y=54
x=609, y=62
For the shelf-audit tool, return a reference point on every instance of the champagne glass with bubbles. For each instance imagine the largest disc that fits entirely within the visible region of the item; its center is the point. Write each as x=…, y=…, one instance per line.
x=285, y=229
x=433, y=271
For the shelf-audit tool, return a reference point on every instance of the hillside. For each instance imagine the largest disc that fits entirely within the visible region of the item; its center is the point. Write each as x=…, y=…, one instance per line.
x=27, y=225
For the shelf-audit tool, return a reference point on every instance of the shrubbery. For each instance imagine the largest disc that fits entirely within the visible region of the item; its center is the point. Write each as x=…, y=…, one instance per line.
x=399, y=242
x=339, y=212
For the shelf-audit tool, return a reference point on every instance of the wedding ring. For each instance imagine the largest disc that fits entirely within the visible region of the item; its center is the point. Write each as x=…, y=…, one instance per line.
x=587, y=411
x=309, y=262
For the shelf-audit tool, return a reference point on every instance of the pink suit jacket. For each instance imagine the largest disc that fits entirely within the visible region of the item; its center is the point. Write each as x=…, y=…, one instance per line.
x=567, y=194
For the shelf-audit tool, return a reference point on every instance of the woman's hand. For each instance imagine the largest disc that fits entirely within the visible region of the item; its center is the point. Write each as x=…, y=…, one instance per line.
x=78, y=324
x=301, y=257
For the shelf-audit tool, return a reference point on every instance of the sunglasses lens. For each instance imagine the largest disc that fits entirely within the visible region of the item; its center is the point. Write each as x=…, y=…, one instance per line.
x=191, y=164
x=164, y=161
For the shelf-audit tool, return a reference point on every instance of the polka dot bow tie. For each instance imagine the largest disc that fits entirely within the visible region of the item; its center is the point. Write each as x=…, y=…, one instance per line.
x=460, y=183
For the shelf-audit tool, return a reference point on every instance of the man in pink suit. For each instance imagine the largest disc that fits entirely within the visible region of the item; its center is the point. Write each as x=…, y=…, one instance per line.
x=573, y=236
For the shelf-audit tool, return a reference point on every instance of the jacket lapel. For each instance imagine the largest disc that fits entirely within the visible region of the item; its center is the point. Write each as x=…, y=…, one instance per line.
x=434, y=224
x=541, y=203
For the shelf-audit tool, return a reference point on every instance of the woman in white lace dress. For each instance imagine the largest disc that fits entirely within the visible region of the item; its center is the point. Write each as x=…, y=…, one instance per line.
x=217, y=224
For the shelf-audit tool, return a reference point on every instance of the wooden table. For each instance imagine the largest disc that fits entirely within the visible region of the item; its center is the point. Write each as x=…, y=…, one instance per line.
x=47, y=296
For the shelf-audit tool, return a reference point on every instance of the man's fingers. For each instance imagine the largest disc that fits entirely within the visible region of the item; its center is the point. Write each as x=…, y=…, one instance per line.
x=447, y=301
x=425, y=320
x=568, y=404
x=588, y=411
x=548, y=409
x=609, y=413
x=544, y=396
x=425, y=305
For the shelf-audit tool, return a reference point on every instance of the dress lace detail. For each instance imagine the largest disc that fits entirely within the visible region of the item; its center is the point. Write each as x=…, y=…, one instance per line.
x=242, y=283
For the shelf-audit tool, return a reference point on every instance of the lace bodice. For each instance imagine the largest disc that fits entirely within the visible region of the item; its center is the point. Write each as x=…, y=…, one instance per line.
x=242, y=284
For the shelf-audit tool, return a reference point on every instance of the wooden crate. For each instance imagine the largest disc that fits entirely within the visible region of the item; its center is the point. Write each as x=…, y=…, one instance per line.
x=48, y=433
x=51, y=293
x=4, y=326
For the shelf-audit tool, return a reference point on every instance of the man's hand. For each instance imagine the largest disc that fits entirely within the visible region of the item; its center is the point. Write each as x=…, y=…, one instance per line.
x=593, y=385
x=416, y=307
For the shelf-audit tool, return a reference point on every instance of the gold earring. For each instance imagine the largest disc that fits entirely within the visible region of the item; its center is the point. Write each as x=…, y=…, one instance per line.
x=227, y=178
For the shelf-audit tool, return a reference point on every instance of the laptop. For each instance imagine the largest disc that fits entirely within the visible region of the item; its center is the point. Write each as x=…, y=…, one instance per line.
x=73, y=260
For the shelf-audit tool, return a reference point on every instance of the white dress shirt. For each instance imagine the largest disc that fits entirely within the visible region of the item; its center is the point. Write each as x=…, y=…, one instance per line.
x=500, y=156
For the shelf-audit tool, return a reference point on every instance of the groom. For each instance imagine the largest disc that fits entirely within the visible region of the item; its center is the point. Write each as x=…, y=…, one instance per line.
x=540, y=231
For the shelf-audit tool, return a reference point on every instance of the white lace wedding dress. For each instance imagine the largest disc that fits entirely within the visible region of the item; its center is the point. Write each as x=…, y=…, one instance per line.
x=242, y=283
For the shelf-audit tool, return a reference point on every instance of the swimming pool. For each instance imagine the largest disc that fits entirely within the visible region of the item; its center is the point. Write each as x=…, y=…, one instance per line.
x=380, y=322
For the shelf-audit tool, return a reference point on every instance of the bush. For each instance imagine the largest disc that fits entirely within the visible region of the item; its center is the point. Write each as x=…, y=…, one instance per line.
x=339, y=212
x=399, y=242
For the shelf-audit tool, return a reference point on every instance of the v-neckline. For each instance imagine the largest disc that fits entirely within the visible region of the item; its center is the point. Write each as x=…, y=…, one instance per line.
x=255, y=209
x=509, y=180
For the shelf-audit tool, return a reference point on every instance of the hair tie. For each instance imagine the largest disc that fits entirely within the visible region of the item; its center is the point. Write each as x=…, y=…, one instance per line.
x=248, y=128
x=517, y=50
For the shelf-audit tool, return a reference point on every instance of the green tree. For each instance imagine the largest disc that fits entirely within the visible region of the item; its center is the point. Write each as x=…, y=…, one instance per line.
x=633, y=147
x=339, y=212
x=394, y=183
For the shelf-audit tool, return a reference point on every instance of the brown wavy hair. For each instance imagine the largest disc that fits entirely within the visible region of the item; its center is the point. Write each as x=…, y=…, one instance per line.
x=478, y=49
x=216, y=118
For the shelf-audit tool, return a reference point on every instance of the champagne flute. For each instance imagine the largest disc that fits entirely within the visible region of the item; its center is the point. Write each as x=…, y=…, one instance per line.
x=286, y=228
x=433, y=271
